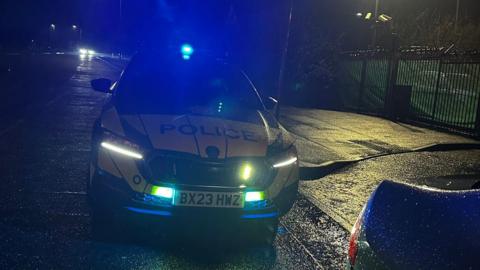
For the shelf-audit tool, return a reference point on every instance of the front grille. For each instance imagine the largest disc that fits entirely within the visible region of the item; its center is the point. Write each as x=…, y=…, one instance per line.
x=202, y=172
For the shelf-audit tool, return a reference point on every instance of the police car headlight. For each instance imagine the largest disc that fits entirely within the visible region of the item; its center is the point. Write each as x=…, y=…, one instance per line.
x=285, y=159
x=120, y=146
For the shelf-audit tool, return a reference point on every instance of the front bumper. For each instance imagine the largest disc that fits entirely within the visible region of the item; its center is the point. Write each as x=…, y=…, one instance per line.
x=115, y=194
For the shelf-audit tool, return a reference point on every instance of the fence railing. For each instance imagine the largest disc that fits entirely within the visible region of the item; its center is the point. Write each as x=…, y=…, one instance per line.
x=443, y=89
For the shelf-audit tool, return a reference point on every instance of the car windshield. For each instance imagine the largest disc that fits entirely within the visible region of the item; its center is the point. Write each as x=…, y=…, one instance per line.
x=168, y=85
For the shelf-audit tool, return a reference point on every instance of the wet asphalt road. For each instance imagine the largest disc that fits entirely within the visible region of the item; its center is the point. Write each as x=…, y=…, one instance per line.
x=47, y=115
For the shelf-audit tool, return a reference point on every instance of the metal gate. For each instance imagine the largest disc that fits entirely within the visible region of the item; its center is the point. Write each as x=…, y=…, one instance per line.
x=445, y=87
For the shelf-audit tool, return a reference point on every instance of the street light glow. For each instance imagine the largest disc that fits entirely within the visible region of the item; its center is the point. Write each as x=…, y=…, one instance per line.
x=384, y=18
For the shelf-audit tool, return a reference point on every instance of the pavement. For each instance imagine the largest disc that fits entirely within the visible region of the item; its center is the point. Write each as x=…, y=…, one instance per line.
x=344, y=156
x=45, y=145
x=343, y=193
x=326, y=136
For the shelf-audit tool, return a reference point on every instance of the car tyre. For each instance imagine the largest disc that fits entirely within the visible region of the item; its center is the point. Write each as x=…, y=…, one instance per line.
x=102, y=223
x=287, y=199
x=102, y=220
x=265, y=232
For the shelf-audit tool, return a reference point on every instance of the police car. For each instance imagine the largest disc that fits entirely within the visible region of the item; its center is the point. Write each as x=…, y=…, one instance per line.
x=185, y=137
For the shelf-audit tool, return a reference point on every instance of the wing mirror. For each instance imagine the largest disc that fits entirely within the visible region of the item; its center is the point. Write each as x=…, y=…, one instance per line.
x=101, y=85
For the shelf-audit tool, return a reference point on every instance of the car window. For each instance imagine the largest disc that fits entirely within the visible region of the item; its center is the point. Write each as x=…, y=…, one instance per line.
x=166, y=85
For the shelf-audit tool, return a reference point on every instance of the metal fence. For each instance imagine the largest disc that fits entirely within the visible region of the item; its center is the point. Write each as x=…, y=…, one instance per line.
x=443, y=89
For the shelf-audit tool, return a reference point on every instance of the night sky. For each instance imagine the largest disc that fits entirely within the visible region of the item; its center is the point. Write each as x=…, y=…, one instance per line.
x=23, y=20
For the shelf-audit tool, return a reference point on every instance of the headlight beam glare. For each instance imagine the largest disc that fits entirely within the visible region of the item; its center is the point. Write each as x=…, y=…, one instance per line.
x=121, y=150
x=286, y=162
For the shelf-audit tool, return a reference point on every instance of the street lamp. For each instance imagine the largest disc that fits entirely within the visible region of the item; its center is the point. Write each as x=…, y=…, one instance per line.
x=456, y=15
x=52, y=27
x=374, y=38
x=77, y=33
x=283, y=61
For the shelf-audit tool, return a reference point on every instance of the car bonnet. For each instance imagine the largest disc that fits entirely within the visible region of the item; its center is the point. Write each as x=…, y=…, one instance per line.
x=248, y=135
x=411, y=227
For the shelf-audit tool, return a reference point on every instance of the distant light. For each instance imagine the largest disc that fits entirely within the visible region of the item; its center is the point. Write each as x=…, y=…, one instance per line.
x=121, y=150
x=368, y=16
x=359, y=14
x=52, y=26
x=164, y=192
x=83, y=51
x=246, y=171
x=187, y=51
x=285, y=163
x=74, y=27
x=220, y=107
x=385, y=18
x=91, y=52
x=254, y=196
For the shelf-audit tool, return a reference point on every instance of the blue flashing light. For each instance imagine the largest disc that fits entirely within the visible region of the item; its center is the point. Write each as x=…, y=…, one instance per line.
x=187, y=51
x=255, y=216
x=148, y=211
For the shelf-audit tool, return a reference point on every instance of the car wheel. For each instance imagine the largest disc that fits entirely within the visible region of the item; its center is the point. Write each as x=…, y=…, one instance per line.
x=102, y=220
x=270, y=232
x=264, y=233
x=102, y=223
x=287, y=198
